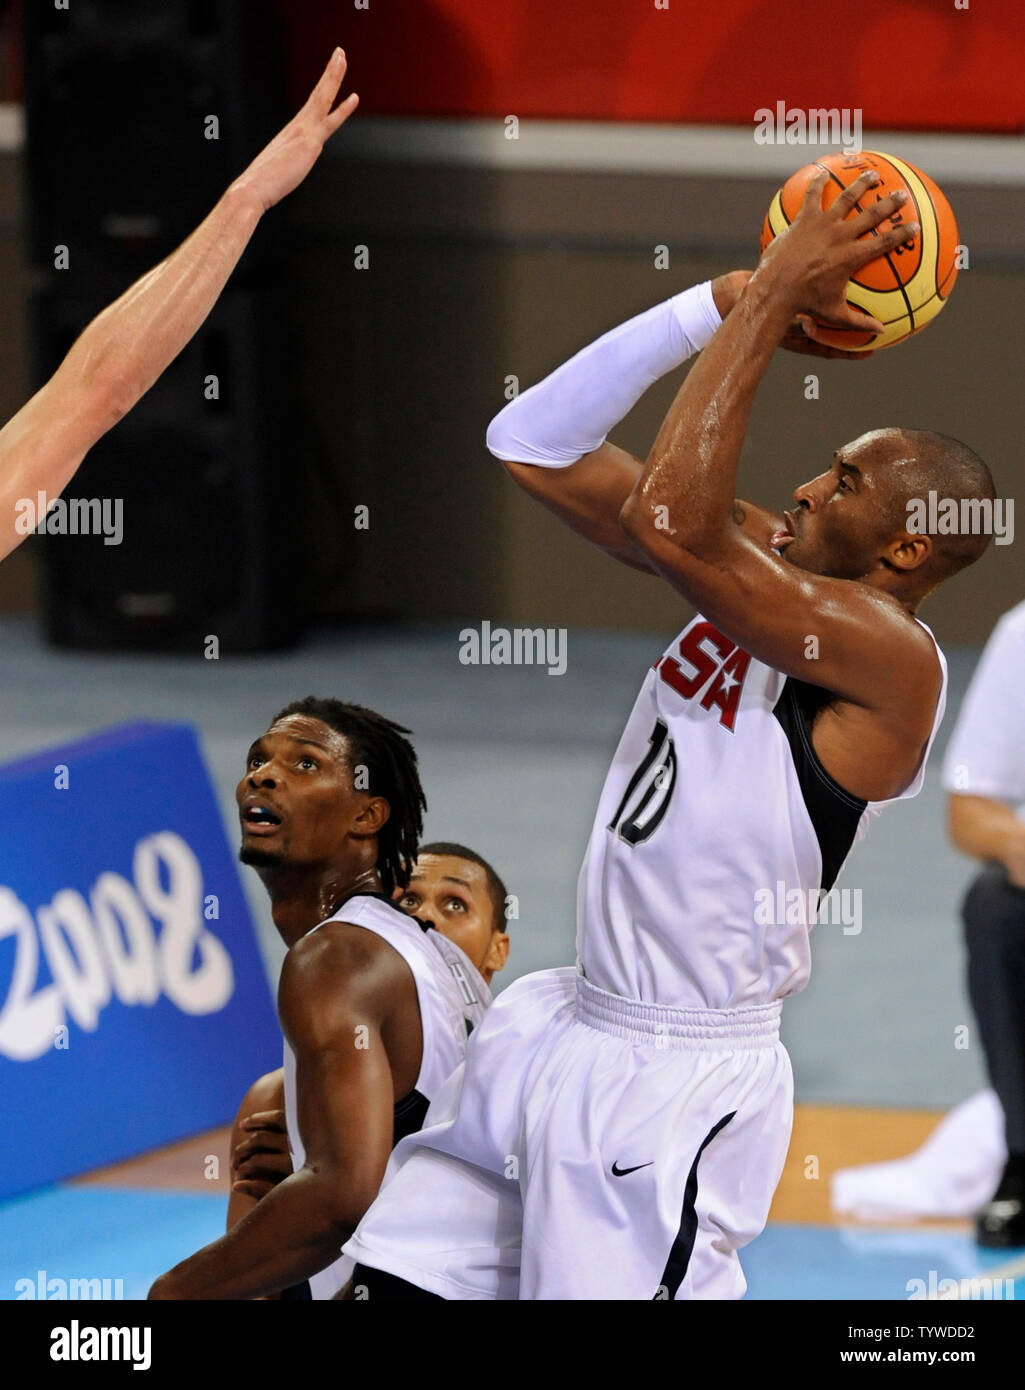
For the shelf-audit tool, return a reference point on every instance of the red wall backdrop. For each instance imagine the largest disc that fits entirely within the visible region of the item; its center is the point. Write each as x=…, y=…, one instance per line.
x=910, y=64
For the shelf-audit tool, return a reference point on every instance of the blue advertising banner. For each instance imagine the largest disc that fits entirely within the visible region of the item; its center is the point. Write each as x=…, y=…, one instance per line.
x=134, y=1006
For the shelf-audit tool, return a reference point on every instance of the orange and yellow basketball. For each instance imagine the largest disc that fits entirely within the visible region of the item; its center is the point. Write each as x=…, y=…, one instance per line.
x=905, y=289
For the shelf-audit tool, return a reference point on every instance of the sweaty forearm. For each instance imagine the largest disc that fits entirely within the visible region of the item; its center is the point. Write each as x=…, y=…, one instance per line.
x=133, y=340
x=288, y=1236
x=688, y=486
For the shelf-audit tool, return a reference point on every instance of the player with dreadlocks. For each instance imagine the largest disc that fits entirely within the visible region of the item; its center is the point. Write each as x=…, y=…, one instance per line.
x=375, y=1007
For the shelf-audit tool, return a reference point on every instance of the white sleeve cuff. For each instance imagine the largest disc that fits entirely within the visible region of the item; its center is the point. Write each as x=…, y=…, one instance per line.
x=571, y=411
x=697, y=316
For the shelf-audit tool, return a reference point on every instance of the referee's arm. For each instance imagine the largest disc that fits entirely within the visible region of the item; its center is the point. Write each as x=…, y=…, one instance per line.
x=989, y=830
x=984, y=766
x=119, y=356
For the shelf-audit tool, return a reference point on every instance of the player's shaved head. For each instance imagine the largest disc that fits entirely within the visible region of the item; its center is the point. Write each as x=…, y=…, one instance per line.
x=924, y=462
x=874, y=514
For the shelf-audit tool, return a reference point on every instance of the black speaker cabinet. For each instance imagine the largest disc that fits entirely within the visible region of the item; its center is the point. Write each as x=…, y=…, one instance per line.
x=200, y=493
x=124, y=100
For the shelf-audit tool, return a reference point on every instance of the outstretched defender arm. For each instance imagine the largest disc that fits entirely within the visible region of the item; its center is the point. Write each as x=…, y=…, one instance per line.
x=119, y=356
x=681, y=512
x=338, y=992
x=990, y=830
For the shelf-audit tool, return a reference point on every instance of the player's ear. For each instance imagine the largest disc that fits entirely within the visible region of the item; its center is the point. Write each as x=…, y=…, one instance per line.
x=498, y=951
x=371, y=818
x=909, y=551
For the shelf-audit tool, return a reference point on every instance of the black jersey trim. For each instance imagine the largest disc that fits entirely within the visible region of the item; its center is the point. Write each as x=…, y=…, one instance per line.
x=834, y=812
x=377, y=1286
x=297, y=1293
x=409, y=1115
x=683, y=1245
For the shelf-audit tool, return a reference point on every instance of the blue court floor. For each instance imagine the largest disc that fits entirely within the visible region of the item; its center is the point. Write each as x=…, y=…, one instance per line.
x=73, y=1232
x=829, y=1262
x=69, y=1232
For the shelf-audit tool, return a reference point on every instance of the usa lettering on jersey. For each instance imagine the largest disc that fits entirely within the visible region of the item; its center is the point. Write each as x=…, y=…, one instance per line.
x=718, y=672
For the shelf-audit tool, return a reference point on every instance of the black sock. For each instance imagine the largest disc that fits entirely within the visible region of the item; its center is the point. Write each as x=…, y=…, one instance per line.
x=1012, y=1183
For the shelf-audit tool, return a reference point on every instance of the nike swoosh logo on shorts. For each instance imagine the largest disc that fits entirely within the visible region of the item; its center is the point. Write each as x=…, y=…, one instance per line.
x=618, y=1172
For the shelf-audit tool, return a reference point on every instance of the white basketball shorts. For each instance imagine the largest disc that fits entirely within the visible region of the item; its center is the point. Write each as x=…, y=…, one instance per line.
x=590, y=1147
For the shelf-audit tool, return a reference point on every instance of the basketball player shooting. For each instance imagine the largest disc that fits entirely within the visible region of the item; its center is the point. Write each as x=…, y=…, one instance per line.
x=118, y=357
x=618, y=1129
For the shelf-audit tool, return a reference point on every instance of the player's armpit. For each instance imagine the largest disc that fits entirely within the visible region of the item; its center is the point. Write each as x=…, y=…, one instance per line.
x=849, y=638
x=588, y=496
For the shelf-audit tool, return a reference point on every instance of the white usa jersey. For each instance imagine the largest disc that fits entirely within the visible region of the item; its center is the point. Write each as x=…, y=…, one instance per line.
x=717, y=835
x=452, y=996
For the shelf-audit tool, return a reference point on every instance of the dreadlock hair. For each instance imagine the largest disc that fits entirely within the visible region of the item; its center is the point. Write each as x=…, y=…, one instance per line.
x=378, y=745
x=496, y=888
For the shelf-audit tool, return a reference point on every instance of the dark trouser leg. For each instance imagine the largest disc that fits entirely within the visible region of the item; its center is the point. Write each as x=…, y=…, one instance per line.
x=994, y=918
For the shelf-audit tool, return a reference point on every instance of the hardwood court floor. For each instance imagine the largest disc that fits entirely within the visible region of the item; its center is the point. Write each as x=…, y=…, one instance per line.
x=837, y=1136
x=842, y=1136
x=181, y=1167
